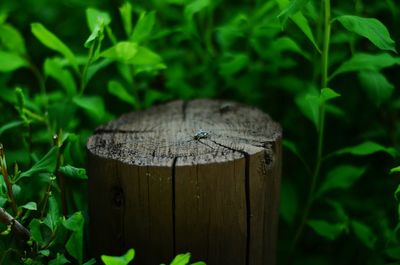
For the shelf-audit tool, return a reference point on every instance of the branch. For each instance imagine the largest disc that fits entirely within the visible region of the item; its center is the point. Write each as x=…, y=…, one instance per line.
x=19, y=230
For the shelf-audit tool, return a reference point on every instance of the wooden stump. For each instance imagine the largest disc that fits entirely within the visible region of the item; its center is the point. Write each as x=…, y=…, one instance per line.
x=200, y=176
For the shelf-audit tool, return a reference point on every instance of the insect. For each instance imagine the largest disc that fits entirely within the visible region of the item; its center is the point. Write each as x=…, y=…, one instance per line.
x=198, y=137
x=200, y=134
x=224, y=108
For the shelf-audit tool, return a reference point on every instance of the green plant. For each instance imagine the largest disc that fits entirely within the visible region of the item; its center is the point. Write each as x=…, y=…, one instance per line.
x=181, y=259
x=315, y=106
x=326, y=70
x=41, y=197
x=122, y=260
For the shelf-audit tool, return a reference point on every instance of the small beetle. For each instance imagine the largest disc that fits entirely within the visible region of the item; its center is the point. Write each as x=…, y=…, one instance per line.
x=200, y=134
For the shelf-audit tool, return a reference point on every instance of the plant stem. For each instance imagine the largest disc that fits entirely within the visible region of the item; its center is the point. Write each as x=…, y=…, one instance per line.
x=327, y=37
x=60, y=177
x=30, y=143
x=4, y=171
x=41, y=82
x=85, y=69
x=46, y=198
x=111, y=35
x=321, y=124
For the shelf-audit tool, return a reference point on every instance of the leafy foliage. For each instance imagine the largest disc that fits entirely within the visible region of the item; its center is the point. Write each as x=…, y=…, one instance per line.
x=326, y=70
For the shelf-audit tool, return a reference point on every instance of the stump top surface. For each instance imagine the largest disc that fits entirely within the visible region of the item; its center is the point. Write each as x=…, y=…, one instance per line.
x=186, y=133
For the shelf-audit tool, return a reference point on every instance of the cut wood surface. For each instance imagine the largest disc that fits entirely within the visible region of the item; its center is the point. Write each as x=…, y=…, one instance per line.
x=200, y=176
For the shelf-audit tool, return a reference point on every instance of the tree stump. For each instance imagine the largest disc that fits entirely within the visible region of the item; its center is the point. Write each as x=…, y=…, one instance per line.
x=201, y=176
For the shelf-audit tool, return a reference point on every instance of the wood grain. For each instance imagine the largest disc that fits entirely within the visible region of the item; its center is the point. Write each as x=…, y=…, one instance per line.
x=200, y=176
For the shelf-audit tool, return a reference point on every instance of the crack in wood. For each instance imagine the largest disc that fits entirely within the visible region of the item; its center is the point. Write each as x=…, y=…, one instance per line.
x=247, y=195
x=173, y=206
x=118, y=204
x=114, y=131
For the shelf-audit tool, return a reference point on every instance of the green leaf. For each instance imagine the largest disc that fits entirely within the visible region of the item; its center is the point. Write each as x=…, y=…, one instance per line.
x=117, y=89
x=341, y=177
x=291, y=146
x=228, y=33
x=340, y=213
x=195, y=7
x=365, y=61
x=74, y=222
x=123, y=51
x=74, y=244
x=3, y=18
x=397, y=194
x=283, y=44
x=366, y=148
x=121, y=260
x=378, y=88
x=181, y=259
x=10, y=125
x=294, y=7
x=3, y=201
x=73, y=172
x=93, y=16
x=30, y=206
x=131, y=53
x=97, y=21
x=53, y=214
x=45, y=165
x=90, y=262
x=51, y=41
x=301, y=21
x=336, y=111
x=143, y=27
x=11, y=39
x=370, y=28
x=126, y=14
x=328, y=94
x=93, y=105
x=145, y=56
x=364, y=234
x=45, y=252
x=234, y=64
x=304, y=26
x=10, y=61
x=97, y=33
x=395, y=170
x=327, y=230
x=34, y=228
x=95, y=67
x=54, y=67
x=309, y=104
x=59, y=260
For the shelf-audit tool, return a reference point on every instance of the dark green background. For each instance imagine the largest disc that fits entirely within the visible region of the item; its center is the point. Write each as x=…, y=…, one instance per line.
x=200, y=56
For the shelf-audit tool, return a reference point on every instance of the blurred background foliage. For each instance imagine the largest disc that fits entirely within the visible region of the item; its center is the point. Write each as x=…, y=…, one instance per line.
x=337, y=204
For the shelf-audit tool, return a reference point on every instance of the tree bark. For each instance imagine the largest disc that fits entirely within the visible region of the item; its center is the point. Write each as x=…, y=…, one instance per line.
x=201, y=176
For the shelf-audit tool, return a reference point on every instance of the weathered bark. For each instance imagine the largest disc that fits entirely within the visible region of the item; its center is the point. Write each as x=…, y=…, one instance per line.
x=200, y=176
x=19, y=230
